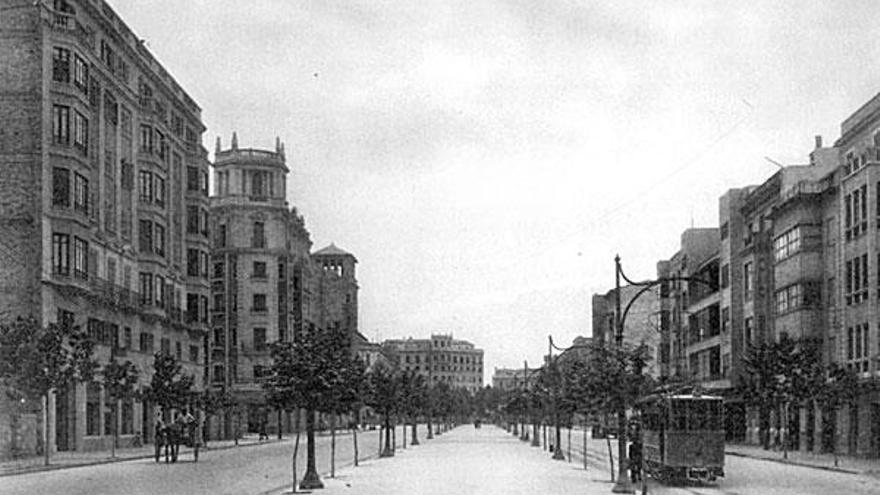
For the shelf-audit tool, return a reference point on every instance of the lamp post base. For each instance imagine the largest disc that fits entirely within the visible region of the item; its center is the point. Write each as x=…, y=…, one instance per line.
x=311, y=481
x=558, y=455
x=623, y=485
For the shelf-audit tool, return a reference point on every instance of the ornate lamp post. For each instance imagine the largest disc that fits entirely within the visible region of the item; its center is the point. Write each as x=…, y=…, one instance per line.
x=623, y=484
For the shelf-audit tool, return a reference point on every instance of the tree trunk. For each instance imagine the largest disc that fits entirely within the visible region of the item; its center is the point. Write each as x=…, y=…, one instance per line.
x=585, y=445
x=311, y=480
x=115, y=410
x=569, y=444
x=279, y=423
x=295, y=451
x=610, y=456
x=46, y=428
x=404, y=435
x=394, y=436
x=354, y=436
x=430, y=433
x=415, y=432
x=333, y=446
x=387, y=451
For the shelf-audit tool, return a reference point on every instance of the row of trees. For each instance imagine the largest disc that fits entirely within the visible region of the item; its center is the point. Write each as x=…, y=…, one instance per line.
x=318, y=372
x=790, y=373
x=35, y=361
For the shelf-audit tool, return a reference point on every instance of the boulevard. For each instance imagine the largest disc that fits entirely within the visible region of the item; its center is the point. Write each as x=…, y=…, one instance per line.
x=488, y=460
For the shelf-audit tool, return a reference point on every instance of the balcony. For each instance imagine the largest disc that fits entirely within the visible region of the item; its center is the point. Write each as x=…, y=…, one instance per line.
x=115, y=295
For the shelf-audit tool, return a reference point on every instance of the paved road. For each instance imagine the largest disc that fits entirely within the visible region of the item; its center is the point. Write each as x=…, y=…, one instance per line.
x=235, y=471
x=744, y=476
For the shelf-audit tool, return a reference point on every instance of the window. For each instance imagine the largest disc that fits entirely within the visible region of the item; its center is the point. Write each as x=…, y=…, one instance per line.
x=259, y=237
x=81, y=74
x=161, y=145
x=192, y=179
x=159, y=238
x=192, y=262
x=748, y=280
x=204, y=263
x=218, y=302
x=146, y=280
x=203, y=303
x=80, y=258
x=146, y=190
x=165, y=346
x=787, y=244
x=160, y=290
x=259, y=303
x=145, y=342
x=259, y=339
x=725, y=276
x=93, y=409
x=725, y=231
x=60, y=187
x=856, y=273
x=146, y=139
x=61, y=64
x=856, y=212
x=61, y=254
x=220, y=237
x=788, y=299
x=145, y=237
x=126, y=337
x=177, y=125
x=194, y=353
x=60, y=124
x=192, y=219
x=257, y=184
x=80, y=193
x=81, y=132
x=192, y=308
x=725, y=320
x=259, y=269
x=111, y=108
x=857, y=348
x=203, y=221
x=748, y=329
x=178, y=351
x=159, y=186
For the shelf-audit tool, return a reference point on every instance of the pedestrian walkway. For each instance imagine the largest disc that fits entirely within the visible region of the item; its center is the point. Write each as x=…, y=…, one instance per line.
x=846, y=464
x=62, y=460
x=466, y=460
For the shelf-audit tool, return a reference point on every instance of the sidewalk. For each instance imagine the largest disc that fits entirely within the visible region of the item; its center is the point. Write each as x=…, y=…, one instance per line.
x=63, y=460
x=845, y=464
x=467, y=460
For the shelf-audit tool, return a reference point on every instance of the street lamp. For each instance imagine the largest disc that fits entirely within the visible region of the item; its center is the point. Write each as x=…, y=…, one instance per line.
x=623, y=484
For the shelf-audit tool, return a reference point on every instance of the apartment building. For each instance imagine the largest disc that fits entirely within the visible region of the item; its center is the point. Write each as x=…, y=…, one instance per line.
x=266, y=284
x=98, y=142
x=441, y=358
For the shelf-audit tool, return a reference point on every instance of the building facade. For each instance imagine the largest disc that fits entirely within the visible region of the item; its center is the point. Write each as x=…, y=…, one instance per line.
x=266, y=284
x=642, y=324
x=97, y=144
x=440, y=359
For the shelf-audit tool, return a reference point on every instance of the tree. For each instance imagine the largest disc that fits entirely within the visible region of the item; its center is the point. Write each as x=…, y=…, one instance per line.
x=307, y=373
x=37, y=360
x=169, y=387
x=413, y=400
x=120, y=380
x=840, y=388
x=212, y=402
x=384, y=397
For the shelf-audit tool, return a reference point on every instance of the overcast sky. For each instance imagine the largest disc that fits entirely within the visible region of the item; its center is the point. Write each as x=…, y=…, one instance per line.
x=485, y=160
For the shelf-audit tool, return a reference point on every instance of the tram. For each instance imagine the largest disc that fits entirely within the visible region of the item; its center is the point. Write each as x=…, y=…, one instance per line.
x=683, y=436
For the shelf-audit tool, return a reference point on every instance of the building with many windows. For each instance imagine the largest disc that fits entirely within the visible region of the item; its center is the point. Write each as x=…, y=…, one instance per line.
x=96, y=226
x=266, y=284
x=440, y=359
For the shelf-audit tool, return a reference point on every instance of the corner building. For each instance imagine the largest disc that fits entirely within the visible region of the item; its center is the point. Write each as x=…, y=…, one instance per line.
x=266, y=285
x=102, y=167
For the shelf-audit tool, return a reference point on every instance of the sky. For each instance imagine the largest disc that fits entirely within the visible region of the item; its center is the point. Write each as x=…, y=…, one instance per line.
x=485, y=160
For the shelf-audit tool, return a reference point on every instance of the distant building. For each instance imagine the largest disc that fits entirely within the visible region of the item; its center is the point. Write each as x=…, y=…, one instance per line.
x=642, y=325
x=505, y=379
x=439, y=359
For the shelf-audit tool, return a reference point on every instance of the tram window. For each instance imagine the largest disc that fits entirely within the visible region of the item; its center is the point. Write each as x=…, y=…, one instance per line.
x=699, y=414
x=715, y=415
x=679, y=415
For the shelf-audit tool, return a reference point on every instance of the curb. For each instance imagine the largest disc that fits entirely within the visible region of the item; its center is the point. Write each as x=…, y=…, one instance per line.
x=56, y=467
x=794, y=463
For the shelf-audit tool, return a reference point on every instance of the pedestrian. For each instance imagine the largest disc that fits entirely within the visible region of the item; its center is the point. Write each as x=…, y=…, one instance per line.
x=635, y=460
x=263, y=433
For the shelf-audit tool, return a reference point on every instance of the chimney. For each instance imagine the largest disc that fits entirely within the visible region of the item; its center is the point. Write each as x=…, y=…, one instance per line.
x=818, y=141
